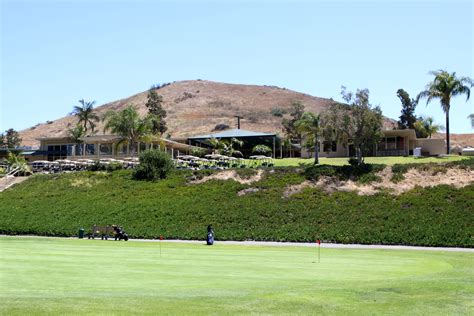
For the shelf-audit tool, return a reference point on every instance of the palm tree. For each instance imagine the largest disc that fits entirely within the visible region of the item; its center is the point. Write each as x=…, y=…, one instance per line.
x=445, y=86
x=76, y=133
x=471, y=116
x=310, y=126
x=427, y=127
x=128, y=124
x=226, y=147
x=85, y=114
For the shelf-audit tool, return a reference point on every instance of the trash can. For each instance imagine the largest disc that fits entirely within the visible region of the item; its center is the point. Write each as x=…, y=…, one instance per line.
x=81, y=233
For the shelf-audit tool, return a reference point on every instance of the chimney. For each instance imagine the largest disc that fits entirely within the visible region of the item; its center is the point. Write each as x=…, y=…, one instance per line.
x=238, y=121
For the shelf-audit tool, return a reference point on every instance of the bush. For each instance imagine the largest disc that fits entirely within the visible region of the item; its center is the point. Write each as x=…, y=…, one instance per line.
x=364, y=173
x=276, y=111
x=154, y=165
x=261, y=150
x=199, y=152
x=113, y=166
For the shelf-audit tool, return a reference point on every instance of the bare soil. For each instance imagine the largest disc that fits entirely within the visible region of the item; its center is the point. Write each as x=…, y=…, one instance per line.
x=456, y=177
x=195, y=107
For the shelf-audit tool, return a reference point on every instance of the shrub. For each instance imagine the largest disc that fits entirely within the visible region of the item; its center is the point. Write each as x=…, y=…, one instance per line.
x=276, y=111
x=113, y=166
x=154, y=165
x=221, y=127
x=199, y=152
x=364, y=173
x=261, y=150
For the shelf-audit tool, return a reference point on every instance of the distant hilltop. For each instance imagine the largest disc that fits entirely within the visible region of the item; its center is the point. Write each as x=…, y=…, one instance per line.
x=197, y=106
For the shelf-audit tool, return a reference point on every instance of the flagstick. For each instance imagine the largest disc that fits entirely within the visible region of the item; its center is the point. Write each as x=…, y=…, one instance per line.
x=319, y=252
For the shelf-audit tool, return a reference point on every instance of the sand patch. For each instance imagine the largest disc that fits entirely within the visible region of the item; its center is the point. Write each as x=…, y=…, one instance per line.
x=456, y=177
x=230, y=175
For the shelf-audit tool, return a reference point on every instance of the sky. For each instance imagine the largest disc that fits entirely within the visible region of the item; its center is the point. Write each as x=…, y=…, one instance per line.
x=54, y=52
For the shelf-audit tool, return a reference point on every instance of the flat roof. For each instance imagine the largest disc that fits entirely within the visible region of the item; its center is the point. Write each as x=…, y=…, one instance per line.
x=237, y=133
x=410, y=133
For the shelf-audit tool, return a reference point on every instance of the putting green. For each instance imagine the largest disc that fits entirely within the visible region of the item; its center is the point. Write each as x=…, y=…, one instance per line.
x=70, y=276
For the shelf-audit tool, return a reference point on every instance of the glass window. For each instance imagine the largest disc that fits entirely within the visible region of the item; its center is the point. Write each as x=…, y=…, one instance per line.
x=106, y=149
x=79, y=149
x=90, y=149
x=57, y=148
x=50, y=148
x=69, y=149
x=391, y=143
x=330, y=146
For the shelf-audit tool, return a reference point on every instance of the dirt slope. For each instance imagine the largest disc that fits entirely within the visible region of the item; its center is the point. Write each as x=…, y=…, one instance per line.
x=196, y=107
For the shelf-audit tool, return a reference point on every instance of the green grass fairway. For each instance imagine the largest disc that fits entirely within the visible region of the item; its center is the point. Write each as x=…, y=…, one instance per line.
x=295, y=162
x=71, y=276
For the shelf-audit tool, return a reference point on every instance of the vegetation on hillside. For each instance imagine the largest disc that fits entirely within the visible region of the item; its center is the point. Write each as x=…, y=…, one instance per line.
x=59, y=205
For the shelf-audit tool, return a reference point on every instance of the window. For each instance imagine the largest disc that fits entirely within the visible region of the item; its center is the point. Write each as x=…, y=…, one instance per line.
x=106, y=149
x=90, y=149
x=391, y=143
x=330, y=146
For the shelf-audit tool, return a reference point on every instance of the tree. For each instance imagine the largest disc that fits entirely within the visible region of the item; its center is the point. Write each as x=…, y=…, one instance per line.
x=76, y=133
x=426, y=127
x=471, y=117
x=357, y=122
x=407, y=118
x=444, y=87
x=128, y=124
x=85, y=114
x=10, y=139
x=154, y=105
x=289, y=127
x=226, y=147
x=310, y=127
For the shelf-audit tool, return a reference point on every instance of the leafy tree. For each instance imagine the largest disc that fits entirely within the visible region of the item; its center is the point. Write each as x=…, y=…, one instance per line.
x=289, y=125
x=76, y=133
x=444, y=87
x=154, y=105
x=471, y=117
x=128, y=124
x=426, y=127
x=408, y=117
x=10, y=139
x=85, y=114
x=357, y=122
x=261, y=150
x=310, y=127
x=154, y=165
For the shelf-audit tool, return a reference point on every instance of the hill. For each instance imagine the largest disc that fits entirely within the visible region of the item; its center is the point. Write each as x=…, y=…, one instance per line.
x=276, y=205
x=195, y=107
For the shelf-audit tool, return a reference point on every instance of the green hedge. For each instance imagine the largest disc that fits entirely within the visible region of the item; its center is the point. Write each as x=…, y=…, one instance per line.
x=58, y=205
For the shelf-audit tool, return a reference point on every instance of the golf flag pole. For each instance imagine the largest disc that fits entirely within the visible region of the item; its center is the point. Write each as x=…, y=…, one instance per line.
x=319, y=250
x=161, y=238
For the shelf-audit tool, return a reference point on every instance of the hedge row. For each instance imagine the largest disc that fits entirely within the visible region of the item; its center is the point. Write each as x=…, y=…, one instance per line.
x=58, y=205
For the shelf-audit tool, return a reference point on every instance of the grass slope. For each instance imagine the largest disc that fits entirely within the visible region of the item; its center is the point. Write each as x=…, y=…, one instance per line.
x=59, y=205
x=64, y=277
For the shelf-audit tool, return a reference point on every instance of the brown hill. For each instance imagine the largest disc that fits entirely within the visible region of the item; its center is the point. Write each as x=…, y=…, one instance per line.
x=196, y=107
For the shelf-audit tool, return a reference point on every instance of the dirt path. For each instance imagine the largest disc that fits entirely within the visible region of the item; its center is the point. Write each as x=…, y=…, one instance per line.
x=281, y=244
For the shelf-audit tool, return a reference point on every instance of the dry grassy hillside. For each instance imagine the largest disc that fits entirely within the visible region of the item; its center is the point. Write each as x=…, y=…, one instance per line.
x=196, y=107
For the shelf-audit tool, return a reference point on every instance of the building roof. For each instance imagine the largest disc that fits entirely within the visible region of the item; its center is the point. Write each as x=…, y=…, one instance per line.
x=237, y=133
x=410, y=133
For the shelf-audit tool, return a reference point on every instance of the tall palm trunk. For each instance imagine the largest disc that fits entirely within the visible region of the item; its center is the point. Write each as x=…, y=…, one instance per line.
x=448, y=147
x=316, y=151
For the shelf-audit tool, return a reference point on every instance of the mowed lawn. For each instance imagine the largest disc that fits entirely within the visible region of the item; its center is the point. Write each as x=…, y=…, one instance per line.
x=71, y=276
x=295, y=162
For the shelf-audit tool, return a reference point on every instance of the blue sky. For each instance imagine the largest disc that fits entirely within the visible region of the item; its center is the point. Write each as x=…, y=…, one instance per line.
x=54, y=53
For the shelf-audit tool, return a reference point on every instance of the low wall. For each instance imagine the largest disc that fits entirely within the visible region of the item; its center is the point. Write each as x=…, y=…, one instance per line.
x=431, y=146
